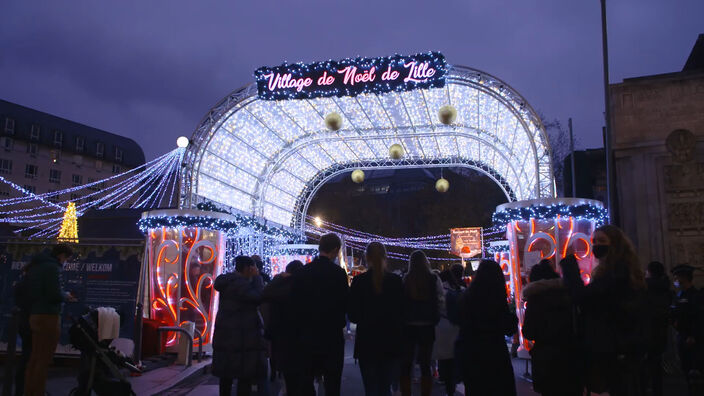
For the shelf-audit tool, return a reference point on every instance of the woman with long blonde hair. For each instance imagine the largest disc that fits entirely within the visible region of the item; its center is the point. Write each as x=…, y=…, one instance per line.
x=376, y=297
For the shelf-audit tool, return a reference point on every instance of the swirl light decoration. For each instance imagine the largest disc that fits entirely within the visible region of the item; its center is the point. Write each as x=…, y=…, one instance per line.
x=183, y=264
x=546, y=229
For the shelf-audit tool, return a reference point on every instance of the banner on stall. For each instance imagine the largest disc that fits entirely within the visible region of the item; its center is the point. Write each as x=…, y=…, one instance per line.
x=466, y=242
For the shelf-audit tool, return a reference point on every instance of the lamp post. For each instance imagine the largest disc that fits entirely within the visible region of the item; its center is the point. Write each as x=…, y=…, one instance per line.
x=608, y=141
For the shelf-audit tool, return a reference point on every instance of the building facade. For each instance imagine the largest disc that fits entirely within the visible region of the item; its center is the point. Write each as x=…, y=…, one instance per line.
x=44, y=153
x=658, y=133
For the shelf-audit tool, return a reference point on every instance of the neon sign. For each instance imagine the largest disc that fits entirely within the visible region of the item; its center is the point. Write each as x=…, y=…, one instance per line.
x=351, y=77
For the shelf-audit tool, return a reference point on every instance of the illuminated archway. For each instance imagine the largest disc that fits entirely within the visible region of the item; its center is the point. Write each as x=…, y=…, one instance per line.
x=267, y=158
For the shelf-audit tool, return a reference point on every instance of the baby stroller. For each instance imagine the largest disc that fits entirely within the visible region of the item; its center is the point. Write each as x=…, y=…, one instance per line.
x=100, y=364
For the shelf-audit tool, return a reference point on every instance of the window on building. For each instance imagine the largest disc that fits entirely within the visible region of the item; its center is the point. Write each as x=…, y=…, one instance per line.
x=118, y=154
x=75, y=197
x=77, y=179
x=35, y=132
x=5, y=166
x=29, y=188
x=98, y=165
x=80, y=143
x=116, y=168
x=99, y=150
x=4, y=192
x=31, y=171
x=8, y=144
x=58, y=138
x=54, y=176
x=9, y=126
x=32, y=148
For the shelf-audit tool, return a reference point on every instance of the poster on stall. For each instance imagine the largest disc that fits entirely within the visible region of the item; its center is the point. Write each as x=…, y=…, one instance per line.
x=466, y=242
x=105, y=280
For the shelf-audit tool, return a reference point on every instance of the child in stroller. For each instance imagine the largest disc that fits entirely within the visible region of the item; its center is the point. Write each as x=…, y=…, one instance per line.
x=100, y=364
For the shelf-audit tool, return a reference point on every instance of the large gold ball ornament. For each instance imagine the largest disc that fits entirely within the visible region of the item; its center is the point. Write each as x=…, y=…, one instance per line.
x=442, y=185
x=396, y=151
x=333, y=121
x=447, y=114
x=357, y=176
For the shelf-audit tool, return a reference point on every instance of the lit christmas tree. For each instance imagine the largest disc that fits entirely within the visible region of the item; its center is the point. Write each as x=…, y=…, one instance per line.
x=69, y=226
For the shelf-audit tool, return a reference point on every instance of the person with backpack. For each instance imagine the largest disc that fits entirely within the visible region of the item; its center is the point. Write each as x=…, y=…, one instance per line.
x=423, y=301
x=614, y=314
x=375, y=298
x=447, y=328
x=485, y=319
x=549, y=322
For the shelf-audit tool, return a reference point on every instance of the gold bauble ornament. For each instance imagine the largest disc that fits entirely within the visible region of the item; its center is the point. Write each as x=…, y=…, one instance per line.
x=396, y=151
x=447, y=114
x=333, y=121
x=442, y=185
x=357, y=176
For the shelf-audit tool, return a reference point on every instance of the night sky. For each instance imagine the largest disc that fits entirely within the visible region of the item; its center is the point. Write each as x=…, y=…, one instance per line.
x=150, y=70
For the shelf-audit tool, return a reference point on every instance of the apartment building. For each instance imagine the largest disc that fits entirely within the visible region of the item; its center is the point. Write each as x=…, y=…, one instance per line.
x=44, y=153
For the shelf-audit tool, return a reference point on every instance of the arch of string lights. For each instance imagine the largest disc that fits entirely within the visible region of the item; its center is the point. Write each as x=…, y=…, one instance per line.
x=264, y=158
x=149, y=185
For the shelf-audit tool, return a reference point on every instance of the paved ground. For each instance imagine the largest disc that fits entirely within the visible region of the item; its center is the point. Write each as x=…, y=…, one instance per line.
x=207, y=385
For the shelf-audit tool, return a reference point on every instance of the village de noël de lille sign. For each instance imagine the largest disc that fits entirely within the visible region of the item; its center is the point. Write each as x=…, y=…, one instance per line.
x=351, y=77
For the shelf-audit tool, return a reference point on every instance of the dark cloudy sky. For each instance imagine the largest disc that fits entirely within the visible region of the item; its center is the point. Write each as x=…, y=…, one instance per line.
x=151, y=69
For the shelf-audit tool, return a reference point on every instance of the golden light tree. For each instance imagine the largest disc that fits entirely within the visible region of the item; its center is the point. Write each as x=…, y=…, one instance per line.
x=69, y=226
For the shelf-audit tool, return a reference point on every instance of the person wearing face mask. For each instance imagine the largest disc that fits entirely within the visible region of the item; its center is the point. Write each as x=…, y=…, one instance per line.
x=614, y=314
x=687, y=320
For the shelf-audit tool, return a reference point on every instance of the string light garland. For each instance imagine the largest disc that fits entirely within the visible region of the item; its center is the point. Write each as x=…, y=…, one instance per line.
x=582, y=211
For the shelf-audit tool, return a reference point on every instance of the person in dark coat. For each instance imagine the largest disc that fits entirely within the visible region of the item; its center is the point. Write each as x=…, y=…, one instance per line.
x=44, y=284
x=23, y=306
x=239, y=348
x=549, y=323
x=485, y=319
x=614, y=314
x=688, y=322
x=320, y=293
x=278, y=313
x=375, y=299
x=659, y=297
x=424, y=297
x=447, y=328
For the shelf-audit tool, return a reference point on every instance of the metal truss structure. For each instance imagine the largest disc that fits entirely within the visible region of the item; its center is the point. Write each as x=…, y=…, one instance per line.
x=268, y=158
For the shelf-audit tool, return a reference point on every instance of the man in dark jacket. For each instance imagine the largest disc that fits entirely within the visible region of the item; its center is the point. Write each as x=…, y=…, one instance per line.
x=278, y=311
x=687, y=320
x=320, y=295
x=549, y=323
x=239, y=348
x=659, y=300
x=43, y=281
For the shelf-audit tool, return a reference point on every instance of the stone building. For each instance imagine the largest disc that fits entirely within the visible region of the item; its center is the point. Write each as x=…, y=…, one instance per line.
x=658, y=133
x=44, y=153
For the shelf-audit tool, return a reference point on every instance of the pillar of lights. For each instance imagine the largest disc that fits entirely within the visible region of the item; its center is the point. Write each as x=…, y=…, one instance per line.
x=183, y=262
x=546, y=229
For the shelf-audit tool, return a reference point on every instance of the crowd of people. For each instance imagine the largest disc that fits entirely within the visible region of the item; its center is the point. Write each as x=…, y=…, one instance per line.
x=605, y=335
x=609, y=334
x=401, y=322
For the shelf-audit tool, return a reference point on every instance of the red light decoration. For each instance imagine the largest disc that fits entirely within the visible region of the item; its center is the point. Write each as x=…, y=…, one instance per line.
x=177, y=292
